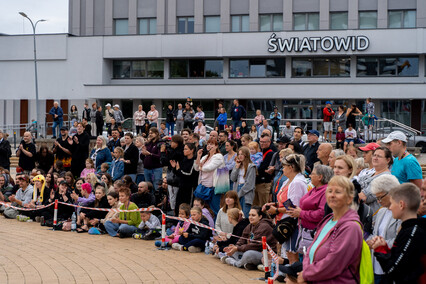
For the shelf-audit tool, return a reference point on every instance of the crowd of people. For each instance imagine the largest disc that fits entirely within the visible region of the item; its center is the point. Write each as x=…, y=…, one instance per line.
x=316, y=205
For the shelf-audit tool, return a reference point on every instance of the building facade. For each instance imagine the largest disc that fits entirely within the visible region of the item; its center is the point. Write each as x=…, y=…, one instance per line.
x=294, y=54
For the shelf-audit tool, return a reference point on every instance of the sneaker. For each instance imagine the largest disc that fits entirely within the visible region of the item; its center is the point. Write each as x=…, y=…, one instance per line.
x=261, y=267
x=194, y=249
x=224, y=258
x=149, y=236
x=250, y=266
x=230, y=261
x=177, y=246
x=158, y=244
x=137, y=236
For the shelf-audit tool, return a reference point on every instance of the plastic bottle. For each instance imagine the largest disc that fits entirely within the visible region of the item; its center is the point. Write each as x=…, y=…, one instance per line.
x=273, y=269
x=207, y=248
x=73, y=222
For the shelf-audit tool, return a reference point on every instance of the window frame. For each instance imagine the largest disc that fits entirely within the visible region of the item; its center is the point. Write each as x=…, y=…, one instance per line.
x=131, y=70
x=205, y=24
x=188, y=68
x=307, y=17
x=359, y=20
x=149, y=23
x=240, y=23
x=249, y=70
x=379, y=70
x=336, y=13
x=115, y=26
x=403, y=16
x=329, y=61
x=271, y=22
x=187, y=18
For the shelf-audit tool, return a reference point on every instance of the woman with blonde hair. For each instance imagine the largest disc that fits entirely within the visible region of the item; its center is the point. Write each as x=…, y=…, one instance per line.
x=100, y=154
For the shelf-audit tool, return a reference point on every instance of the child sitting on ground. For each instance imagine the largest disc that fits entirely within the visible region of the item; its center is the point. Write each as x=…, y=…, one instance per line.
x=340, y=138
x=255, y=153
x=103, y=170
x=403, y=262
x=149, y=228
x=181, y=227
x=207, y=212
x=90, y=168
x=194, y=239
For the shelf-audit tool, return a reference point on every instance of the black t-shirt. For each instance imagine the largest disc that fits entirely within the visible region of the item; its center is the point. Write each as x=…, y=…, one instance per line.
x=60, y=154
x=25, y=162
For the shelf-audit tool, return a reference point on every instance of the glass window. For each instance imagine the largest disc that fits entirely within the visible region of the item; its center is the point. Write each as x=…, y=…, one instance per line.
x=367, y=66
x=186, y=25
x=367, y=20
x=147, y=26
x=238, y=68
x=257, y=68
x=275, y=67
x=305, y=21
x=340, y=67
x=212, y=24
x=121, y=69
x=302, y=68
x=339, y=21
x=388, y=66
x=399, y=110
x=214, y=68
x=321, y=66
x=402, y=19
x=121, y=26
x=408, y=66
x=138, y=69
x=179, y=68
x=196, y=68
x=155, y=69
x=240, y=23
x=271, y=22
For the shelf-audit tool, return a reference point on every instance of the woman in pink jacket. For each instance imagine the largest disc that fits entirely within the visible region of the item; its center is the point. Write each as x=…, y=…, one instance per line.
x=335, y=253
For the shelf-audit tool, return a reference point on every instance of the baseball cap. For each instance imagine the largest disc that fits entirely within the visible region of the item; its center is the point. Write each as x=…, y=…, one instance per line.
x=396, y=135
x=369, y=147
x=24, y=177
x=64, y=128
x=19, y=170
x=284, y=139
x=328, y=103
x=117, y=106
x=292, y=269
x=313, y=131
x=63, y=182
x=108, y=105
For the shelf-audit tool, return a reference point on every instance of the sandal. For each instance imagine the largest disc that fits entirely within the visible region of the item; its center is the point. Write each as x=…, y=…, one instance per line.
x=82, y=229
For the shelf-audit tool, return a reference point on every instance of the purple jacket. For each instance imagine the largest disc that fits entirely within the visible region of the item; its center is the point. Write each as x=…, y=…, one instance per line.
x=312, y=204
x=338, y=255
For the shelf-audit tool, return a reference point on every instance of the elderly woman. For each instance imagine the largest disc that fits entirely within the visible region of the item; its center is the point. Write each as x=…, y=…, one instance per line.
x=311, y=210
x=381, y=160
x=333, y=155
x=280, y=178
x=100, y=154
x=384, y=225
x=335, y=253
x=291, y=191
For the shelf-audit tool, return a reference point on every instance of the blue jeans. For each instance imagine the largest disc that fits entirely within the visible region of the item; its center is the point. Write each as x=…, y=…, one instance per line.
x=125, y=230
x=237, y=123
x=140, y=178
x=170, y=128
x=56, y=124
x=215, y=203
x=245, y=206
x=154, y=176
x=133, y=177
x=188, y=242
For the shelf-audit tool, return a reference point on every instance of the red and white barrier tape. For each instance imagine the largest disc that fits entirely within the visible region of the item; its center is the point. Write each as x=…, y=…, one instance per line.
x=38, y=207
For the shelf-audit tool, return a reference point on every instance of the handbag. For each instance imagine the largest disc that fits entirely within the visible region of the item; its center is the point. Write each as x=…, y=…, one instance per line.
x=221, y=184
x=66, y=226
x=203, y=192
x=284, y=229
x=304, y=239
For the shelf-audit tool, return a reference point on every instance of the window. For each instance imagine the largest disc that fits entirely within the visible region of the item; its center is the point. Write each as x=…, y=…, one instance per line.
x=367, y=20
x=321, y=67
x=196, y=68
x=138, y=69
x=240, y=68
x=186, y=25
x=399, y=110
x=271, y=22
x=212, y=24
x=339, y=21
x=388, y=66
x=240, y=23
x=121, y=27
x=306, y=21
x=148, y=26
x=402, y=19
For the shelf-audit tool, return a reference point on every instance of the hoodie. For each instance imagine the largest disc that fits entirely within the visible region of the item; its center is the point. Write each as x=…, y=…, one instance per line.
x=338, y=256
x=197, y=232
x=255, y=233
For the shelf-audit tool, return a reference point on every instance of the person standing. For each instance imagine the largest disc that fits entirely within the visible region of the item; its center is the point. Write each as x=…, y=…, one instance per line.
x=109, y=114
x=62, y=149
x=178, y=114
x=238, y=113
x=5, y=151
x=275, y=118
x=328, y=115
x=73, y=115
x=99, y=121
x=340, y=117
x=139, y=120
x=152, y=117
x=370, y=112
x=288, y=130
x=118, y=115
x=131, y=156
x=263, y=179
x=86, y=112
x=310, y=149
x=58, y=119
x=188, y=116
x=93, y=120
x=351, y=114
x=79, y=149
x=170, y=121
x=26, y=153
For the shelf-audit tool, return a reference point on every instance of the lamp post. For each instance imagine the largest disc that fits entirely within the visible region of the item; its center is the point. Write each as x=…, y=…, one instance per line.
x=38, y=124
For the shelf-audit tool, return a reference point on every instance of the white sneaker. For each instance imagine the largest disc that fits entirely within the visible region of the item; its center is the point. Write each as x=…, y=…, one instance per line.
x=230, y=261
x=261, y=267
x=224, y=258
x=194, y=249
x=177, y=246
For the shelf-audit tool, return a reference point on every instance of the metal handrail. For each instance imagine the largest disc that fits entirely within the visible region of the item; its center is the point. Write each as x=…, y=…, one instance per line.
x=406, y=127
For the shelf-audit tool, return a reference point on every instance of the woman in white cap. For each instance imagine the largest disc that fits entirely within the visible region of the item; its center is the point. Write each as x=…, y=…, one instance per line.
x=109, y=114
x=118, y=115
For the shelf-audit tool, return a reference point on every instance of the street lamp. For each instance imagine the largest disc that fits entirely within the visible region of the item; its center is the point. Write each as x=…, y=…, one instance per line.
x=35, y=68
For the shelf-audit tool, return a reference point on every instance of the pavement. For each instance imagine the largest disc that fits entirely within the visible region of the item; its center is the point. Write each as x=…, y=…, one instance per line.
x=34, y=254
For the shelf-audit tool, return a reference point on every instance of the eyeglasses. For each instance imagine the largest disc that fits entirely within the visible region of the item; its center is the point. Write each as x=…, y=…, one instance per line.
x=381, y=197
x=378, y=156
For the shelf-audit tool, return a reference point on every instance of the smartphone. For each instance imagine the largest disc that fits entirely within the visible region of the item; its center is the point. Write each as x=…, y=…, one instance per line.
x=288, y=204
x=267, y=207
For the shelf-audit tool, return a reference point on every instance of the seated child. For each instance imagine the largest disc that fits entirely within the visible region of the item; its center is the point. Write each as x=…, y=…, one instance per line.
x=90, y=168
x=117, y=165
x=340, y=138
x=87, y=215
x=149, y=228
x=207, y=212
x=256, y=155
x=194, y=239
x=181, y=227
x=403, y=262
x=350, y=136
x=103, y=170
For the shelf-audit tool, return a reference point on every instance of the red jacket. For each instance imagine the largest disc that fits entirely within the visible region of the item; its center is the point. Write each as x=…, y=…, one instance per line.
x=328, y=114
